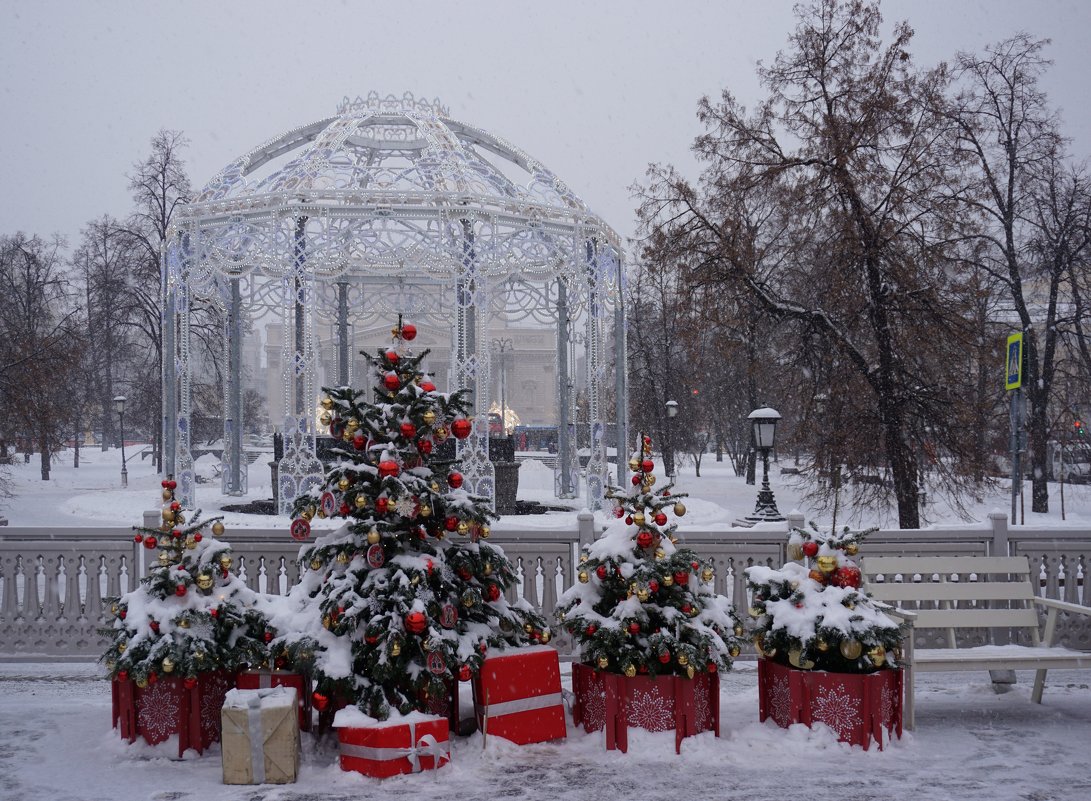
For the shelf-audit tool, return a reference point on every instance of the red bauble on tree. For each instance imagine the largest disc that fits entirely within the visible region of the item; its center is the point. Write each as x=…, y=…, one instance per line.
x=660, y=519
x=416, y=622
x=647, y=465
x=359, y=440
x=427, y=386
x=150, y=542
x=644, y=539
x=464, y=673
x=461, y=428
x=388, y=467
x=393, y=357
x=847, y=576
x=424, y=446
x=810, y=549
x=180, y=590
x=392, y=382
x=454, y=480
x=409, y=431
x=408, y=332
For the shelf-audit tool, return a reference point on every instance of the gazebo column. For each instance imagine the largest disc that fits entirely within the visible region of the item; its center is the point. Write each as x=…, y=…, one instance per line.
x=184, y=474
x=234, y=478
x=621, y=392
x=565, y=475
x=596, y=377
x=470, y=356
x=342, y=334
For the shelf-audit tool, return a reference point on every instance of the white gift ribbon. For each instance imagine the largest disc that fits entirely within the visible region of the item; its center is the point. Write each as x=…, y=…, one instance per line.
x=425, y=746
x=520, y=705
x=257, y=741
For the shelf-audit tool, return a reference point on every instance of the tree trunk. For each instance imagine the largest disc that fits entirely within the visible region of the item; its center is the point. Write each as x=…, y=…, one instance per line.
x=43, y=446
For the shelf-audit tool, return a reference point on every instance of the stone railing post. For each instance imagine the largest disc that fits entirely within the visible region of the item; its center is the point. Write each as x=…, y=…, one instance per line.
x=1000, y=544
x=152, y=518
x=796, y=520
x=585, y=528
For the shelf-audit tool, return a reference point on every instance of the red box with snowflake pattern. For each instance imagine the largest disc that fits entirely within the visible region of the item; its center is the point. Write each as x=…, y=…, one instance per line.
x=614, y=702
x=858, y=707
x=172, y=706
x=517, y=696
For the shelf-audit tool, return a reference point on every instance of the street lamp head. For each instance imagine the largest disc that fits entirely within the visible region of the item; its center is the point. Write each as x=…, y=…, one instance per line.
x=672, y=408
x=119, y=404
x=764, y=421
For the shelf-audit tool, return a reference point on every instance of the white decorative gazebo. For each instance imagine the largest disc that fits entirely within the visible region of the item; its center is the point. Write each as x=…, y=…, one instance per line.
x=393, y=207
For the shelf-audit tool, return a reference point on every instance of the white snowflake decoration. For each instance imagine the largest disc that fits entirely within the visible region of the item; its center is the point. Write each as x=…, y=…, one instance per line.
x=406, y=507
x=651, y=711
x=838, y=709
x=702, y=707
x=886, y=706
x=594, y=708
x=212, y=700
x=159, y=711
x=780, y=702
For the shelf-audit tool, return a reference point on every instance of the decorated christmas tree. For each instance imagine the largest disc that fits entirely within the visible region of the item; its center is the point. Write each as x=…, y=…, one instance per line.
x=811, y=613
x=189, y=615
x=643, y=604
x=407, y=595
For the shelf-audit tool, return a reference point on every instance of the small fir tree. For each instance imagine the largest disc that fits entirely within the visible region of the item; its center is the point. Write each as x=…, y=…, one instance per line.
x=642, y=604
x=811, y=614
x=407, y=595
x=189, y=614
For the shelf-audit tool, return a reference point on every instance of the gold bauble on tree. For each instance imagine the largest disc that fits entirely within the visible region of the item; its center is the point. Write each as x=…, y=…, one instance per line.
x=851, y=548
x=373, y=537
x=164, y=558
x=668, y=580
x=361, y=501
x=463, y=527
x=327, y=403
x=183, y=622
x=484, y=532
x=343, y=484
x=630, y=669
x=325, y=419
x=167, y=494
x=395, y=648
x=604, y=662
x=851, y=649
x=795, y=552
x=343, y=558
x=217, y=529
x=679, y=508
x=634, y=465
x=638, y=518
x=225, y=562
x=316, y=564
x=707, y=574
x=142, y=682
x=583, y=577
x=683, y=660
x=428, y=417
x=167, y=664
x=877, y=655
x=827, y=564
x=425, y=510
x=204, y=581
x=545, y=636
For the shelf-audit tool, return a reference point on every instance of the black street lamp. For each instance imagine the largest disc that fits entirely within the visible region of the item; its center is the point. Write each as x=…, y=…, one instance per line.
x=764, y=422
x=668, y=454
x=119, y=404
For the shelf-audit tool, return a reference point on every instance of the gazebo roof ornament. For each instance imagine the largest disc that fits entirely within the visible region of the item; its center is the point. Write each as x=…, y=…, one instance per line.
x=375, y=103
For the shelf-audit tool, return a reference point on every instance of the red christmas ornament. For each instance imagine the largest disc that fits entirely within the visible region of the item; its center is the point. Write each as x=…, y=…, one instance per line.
x=388, y=467
x=122, y=675
x=175, y=506
x=454, y=481
x=393, y=357
x=847, y=576
x=381, y=504
x=636, y=479
x=154, y=625
x=451, y=523
x=177, y=534
x=150, y=542
x=644, y=539
x=197, y=537
x=163, y=483
x=600, y=571
x=681, y=577
x=695, y=565
x=424, y=446
x=359, y=440
x=664, y=657
x=591, y=629
x=465, y=574
x=687, y=607
x=268, y=636
x=810, y=549
x=628, y=520
x=408, y=332
x=493, y=592
x=619, y=512
x=653, y=586
x=180, y=590
x=634, y=628
x=464, y=673
x=415, y=622
x=660, y=519
x=172, y=484
x=138, y=538
x=320, y=701
x=280, y=663
x=647, y=466
x=409, y=431
x=122, y=614
x=461, y=428
x=214, y=611
x=344, y=510
x=392, y=382
x=428, y=386
x=371, y=639
x=647, y=440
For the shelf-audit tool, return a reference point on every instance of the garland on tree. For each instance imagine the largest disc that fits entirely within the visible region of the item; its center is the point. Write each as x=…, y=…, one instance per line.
x=189, y=614
x=811, y=614
x=642, y=604
x=407, y=595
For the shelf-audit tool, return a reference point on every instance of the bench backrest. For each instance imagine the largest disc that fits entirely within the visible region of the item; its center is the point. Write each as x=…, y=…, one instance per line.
x=956, y=592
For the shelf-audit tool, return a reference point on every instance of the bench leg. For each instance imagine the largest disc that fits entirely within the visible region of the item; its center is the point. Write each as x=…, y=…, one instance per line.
x=1039, y=685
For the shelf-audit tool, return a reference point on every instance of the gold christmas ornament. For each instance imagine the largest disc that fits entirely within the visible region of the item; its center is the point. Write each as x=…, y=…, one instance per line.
x=707, y=574
x=190, y=543
x=325, y=419
x=634, y=465
x=142, y=682
x=827, y=564
x=679, y=509
x=821, y=645
x=351, y=425
x=753, y=611
x=342, y=558
x=395, y=648
x=225, y=562
x=739, y=631
x=638, y=518
x=604, y=662
x=204, y=581
x=327, y=621
x=179, y=518
x=307, y=514
x=529, y=629
x=649, y=480
x=851, y=649
x=360, y=501
x=167, y=664
x=545, y=636
x=183, y=622
x=322, y=514
x=343, y=484
x=630, y=669
x=851, y=548
x=487, y=568
x=167, y=494
x=668, y=580
x=164, y=558
x=484, y=532
x=316, y=564
x=425, y=510
x=199, y=656
x=690, y=671
x=642, y=594
x=373, y=537
x=734, y=651
x=463, y=526
x=327, y=403
x=114, y=609
x=121, y=646
x=660, y=553
x=583, y=577
x=168, y=516
x=877, y=655
x=683, y=660
x=428, y=417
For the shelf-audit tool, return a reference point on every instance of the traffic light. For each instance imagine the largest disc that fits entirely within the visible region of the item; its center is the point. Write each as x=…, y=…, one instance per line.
x=1078, y=425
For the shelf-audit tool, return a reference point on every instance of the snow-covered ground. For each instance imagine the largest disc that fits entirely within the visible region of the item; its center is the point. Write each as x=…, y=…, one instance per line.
x=56, y=743
x=92, y=496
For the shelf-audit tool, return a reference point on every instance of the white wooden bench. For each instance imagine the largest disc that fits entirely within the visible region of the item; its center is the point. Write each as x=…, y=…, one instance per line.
x=955, y=593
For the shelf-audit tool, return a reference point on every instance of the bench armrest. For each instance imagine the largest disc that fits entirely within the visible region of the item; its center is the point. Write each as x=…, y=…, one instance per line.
x=906, y=615
x=1063, y=606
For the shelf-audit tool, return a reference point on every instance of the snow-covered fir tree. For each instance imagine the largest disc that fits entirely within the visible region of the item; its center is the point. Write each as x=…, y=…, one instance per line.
x=408, y=594
x=189, y=614
x=811, y=613
x=643, y=604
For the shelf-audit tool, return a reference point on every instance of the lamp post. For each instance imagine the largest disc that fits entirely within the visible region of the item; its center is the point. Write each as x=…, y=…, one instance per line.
x=668, y=456
x=764, y=422
x=119, y=404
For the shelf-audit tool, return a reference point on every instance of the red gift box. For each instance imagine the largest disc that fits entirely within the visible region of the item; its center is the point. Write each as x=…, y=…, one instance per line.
x=381, y=749
x=517, y=696
x=660, y=703
x=167, y=707
x=264, y=679
x=857, y=706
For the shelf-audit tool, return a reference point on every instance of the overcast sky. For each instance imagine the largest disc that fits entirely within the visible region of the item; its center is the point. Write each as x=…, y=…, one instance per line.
x=594, y=90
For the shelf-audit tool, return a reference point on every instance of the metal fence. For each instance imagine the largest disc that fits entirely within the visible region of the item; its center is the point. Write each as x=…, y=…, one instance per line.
x=55, y=584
